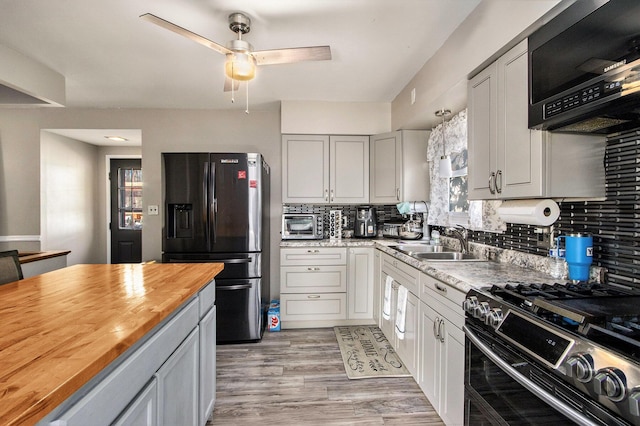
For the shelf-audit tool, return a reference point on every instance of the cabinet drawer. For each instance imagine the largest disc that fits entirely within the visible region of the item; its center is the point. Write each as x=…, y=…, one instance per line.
x=316, y=279
x=313, y=256
x=444, y=298
x=317, y=306
x=401, y=273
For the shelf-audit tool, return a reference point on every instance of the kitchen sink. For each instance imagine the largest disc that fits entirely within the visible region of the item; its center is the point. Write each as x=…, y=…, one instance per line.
x=417, y=248
x=435, y=253
x=447, y=256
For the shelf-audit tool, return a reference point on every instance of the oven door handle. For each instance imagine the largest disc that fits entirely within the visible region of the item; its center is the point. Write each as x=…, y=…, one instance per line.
x=526, y=383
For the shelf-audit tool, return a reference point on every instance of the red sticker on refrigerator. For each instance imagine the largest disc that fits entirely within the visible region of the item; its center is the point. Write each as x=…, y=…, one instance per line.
x=242, y=174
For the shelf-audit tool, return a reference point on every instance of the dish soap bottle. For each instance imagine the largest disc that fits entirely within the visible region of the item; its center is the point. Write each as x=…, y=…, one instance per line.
x=435, y=238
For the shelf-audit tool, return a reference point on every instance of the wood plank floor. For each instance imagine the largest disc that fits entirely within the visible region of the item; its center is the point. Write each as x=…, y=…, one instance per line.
x=296, y=377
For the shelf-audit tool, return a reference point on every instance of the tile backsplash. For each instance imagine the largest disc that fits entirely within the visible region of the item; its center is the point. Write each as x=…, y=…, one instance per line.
x=614, y=223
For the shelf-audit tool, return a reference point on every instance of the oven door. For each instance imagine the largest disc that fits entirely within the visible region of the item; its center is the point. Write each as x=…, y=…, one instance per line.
x=503, y=388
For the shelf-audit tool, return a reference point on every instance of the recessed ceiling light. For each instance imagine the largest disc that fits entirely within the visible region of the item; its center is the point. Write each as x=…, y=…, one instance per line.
x=117, y=138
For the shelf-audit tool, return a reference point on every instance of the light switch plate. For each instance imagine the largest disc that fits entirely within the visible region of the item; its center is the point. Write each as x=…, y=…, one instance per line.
x=153, y=210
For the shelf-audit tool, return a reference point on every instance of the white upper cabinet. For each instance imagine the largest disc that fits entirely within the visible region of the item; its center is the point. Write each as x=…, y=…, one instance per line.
x=509, y=160
x=399, y=168
x=325, y=169
x=505, y=157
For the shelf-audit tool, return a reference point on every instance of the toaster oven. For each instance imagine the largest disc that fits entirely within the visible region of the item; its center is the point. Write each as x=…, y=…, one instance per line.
x=302, y=226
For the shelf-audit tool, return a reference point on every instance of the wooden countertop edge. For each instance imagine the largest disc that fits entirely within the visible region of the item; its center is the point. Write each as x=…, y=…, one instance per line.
x=30, y=412
x=33, y=257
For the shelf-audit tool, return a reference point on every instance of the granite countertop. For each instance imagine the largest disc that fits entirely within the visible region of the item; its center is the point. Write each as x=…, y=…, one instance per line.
x=509, y=267
x=62, y=328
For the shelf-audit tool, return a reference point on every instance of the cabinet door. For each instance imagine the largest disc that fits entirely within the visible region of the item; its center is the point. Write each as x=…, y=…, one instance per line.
x=349, y=174
x=408, y=347
x=142, y=411
x=482, y=126
x=520, y=150
x=428, y=369
x=451, y=407
x=360, y=283
x=377, y=301
x=207, y=365
x=178, y=385
x=386, y=168
x=305, y=169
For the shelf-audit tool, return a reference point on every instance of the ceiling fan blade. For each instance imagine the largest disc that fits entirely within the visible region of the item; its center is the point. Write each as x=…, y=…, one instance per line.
x=185, y=33
x=228, y=82
x=294, y=54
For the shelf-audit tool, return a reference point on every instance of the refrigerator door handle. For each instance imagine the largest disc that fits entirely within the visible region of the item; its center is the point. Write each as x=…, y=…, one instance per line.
x=172, y=260
x=233, y=287
x=214, y=202
x=205, y=204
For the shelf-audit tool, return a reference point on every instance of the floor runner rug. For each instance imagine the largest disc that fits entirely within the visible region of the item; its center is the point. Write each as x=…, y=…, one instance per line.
x=366, y=353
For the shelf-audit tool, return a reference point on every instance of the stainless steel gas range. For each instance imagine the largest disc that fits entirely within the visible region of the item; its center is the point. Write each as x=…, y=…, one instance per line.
x=552, y=354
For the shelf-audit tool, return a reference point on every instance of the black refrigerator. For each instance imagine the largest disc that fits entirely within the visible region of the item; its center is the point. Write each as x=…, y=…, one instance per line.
x=217, y=210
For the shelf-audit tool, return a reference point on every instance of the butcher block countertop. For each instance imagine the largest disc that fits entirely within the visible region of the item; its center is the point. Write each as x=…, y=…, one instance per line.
x=59, y=329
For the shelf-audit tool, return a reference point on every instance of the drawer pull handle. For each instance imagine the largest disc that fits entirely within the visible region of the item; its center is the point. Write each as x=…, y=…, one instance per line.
x=313, y=251
x=313, y=269
x=313, y=296
x=441, y=288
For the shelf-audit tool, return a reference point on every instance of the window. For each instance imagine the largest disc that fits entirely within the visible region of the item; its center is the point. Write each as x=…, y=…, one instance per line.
x=129, y=198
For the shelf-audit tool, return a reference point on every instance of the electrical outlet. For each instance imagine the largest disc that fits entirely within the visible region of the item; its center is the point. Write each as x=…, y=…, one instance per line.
x=545, y=236
x=153, y=210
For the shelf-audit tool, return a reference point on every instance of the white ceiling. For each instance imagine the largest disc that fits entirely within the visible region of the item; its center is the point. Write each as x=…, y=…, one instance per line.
x=111, y=58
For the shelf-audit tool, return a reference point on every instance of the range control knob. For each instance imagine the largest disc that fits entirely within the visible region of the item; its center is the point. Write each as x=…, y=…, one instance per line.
x=481, y=311
x=580, y=367
x=494, y=317
x=634, y=402
x=611, y=383
x=470, y=304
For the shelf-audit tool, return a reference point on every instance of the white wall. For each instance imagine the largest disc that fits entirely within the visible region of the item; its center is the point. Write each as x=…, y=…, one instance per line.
x=162, y=130
x=442, y=82
x=335, y=118
x=69, y=186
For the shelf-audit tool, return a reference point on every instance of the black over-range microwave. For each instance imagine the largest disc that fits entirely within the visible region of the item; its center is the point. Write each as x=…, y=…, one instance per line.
x=584, y=69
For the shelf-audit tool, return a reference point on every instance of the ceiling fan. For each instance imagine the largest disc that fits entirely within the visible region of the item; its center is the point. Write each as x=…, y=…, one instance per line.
x=242, y=60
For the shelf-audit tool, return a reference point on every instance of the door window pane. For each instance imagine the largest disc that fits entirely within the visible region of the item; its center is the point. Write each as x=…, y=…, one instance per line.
x=130, y=198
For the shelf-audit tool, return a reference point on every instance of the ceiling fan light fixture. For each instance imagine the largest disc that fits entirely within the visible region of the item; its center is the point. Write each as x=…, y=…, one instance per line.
x=240, y=66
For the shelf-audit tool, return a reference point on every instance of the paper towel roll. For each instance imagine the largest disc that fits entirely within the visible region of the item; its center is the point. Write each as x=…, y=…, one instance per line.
x=530, y=212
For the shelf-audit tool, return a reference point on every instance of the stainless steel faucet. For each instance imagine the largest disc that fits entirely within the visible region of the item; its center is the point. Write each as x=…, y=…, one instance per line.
x=460, y=232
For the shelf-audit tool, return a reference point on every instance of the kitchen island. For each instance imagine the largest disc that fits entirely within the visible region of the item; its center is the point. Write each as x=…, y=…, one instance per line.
x=66, y=330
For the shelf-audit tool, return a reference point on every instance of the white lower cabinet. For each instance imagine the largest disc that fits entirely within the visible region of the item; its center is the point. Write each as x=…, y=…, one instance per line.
x=441, y=369
x=360, y=283
x=433, y=344
x=326, y=286
x=407, y=276
x=169, y=379
x=207, y=365
x=178, y=385
x=143, y=410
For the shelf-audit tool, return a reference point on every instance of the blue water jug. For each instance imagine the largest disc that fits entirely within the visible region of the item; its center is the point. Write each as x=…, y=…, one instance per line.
x=578, y=254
